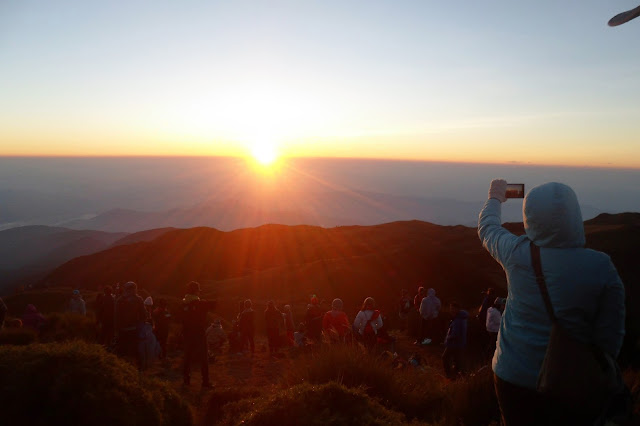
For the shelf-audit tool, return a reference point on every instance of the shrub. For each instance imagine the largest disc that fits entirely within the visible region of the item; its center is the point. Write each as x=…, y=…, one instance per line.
x=415, y=393
x=62, y=327
x=78, y=383
x=17, y=336
x=327, y=404
x=223, y=396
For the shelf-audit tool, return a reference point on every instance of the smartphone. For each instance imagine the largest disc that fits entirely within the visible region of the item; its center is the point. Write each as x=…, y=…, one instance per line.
x=515, y=190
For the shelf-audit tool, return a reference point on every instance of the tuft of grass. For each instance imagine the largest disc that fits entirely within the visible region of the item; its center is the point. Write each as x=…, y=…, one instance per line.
x=17, y=336
x=418, y=394
x=327, y=404
x=79, y=383
x=67, y=326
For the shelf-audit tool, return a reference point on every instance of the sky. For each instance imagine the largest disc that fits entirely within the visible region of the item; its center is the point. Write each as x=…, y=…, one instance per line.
x=497, y=81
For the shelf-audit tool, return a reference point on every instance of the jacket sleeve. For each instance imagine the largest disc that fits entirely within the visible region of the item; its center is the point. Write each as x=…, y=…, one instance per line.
x=499, y=242
x=609, y=331
x=358, y=321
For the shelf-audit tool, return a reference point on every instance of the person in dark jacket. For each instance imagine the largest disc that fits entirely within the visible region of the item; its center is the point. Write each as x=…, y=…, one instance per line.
x=32, y=318
x=455, y=342
x=3, y=313
x=105, y=314
x=313, y=320
x=487, y=302
x=246, y=326
x=274, y=321
x=161, y=321
x=130, y=315
x=194, y=332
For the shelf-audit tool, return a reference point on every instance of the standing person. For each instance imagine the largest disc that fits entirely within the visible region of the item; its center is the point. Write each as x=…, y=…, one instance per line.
x=404, y=307
x=194, y=327
x=583, y=285
x=288, y=324
x=368, y=322
x=487, y=302
x=335, y=322
x=161, y=321
x=417, y=299
x=494, y=317
x=429, y=310
x=273, y=320
x=247, y=326
x=105, y=313
x=148, y=306
x=3, y=313
x=129, y=318
x=455, y=342
x=313, y=320
x=76, y=304
x=215, y=338
x=32, y=318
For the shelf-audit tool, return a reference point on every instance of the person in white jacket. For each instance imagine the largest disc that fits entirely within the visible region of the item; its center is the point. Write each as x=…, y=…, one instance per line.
x=585, y=290
x=494, y=318
x=368, y=322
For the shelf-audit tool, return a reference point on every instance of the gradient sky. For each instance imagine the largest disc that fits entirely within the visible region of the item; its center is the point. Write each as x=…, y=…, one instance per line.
x=543, y=82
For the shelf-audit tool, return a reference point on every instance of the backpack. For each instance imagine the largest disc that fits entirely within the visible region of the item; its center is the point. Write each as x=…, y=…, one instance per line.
x=369, y=336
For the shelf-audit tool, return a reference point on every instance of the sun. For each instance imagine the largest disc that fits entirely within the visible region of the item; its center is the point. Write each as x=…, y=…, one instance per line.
x=264, y=152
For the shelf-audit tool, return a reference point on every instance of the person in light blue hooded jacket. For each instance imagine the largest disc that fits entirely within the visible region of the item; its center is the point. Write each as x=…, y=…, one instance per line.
x=585, y=290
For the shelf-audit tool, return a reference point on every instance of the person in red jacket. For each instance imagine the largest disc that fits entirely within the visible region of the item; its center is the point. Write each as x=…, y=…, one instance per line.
x=335, y=323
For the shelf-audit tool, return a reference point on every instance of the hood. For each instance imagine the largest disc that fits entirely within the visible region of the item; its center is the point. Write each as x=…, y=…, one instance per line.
x=462, y=314
x=431, y=292
x=552, y=216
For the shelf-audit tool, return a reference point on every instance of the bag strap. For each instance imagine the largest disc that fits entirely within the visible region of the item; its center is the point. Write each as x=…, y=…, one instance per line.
x=537, y=267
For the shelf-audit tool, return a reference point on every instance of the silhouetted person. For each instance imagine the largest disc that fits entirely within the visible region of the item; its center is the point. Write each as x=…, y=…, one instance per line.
x=3, y=313
x=247, y=326
x=586, y=293
x=288, y=324
x=313, y=320
x=404, y=308
x=76, y=304
x=32, y=318
x=273, y=320
x=215, y=338
x=494, y=318
x=161, y=321
x=105, y=313
x=335, y=322
x=429, y=311
x=417, y=299
x=129, y=318
x=455, y=342
x=194, y=322
x=487, y=302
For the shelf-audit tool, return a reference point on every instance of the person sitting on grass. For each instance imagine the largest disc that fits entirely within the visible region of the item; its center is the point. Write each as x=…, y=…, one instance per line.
x=335, y=323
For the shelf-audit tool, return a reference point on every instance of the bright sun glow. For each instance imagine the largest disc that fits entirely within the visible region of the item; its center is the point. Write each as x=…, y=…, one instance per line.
x=264, y=152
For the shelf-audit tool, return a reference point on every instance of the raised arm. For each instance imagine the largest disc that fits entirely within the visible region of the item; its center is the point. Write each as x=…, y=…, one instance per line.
x=497, y=240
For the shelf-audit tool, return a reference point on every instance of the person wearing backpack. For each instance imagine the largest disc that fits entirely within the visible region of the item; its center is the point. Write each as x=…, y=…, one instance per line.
x=194, y=328
x=583, y=288
x=368, y=322
x=130, y=315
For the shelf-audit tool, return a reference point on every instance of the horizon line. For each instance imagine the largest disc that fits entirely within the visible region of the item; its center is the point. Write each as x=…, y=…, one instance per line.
x=338, y=158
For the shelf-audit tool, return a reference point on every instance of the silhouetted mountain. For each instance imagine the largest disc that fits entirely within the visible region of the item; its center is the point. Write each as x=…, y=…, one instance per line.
x=28, y=253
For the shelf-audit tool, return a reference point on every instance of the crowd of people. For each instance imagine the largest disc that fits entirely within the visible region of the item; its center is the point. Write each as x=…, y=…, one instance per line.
x=554, y=283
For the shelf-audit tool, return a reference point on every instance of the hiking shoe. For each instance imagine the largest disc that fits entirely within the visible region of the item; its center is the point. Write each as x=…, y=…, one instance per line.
x=426, y=341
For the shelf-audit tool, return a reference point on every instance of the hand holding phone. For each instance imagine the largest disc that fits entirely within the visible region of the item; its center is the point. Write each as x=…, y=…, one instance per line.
x=515, y=190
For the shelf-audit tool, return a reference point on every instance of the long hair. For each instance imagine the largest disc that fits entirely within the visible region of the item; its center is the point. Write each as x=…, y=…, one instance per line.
x=369, y=303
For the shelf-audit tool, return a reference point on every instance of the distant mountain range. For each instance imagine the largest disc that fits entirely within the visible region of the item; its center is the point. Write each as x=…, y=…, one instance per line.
x=326, y=209
x=28, y=253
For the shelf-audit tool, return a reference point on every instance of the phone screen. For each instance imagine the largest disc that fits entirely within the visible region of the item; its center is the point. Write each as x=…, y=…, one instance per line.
x=515, y=190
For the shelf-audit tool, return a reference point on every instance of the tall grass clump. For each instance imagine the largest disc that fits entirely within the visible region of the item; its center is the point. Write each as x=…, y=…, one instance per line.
x=79, y=383
x=415, y=393
x=471, y=400
x=306, y=404
x=67, y=326
x=17, y=336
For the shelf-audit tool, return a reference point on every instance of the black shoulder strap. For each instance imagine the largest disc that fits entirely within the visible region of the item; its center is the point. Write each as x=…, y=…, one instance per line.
x=537, y=266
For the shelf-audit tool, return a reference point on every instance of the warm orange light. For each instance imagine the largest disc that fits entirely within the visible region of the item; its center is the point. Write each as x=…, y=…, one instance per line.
x=264, y=152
